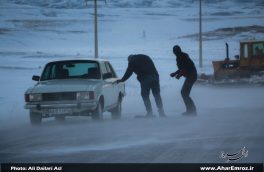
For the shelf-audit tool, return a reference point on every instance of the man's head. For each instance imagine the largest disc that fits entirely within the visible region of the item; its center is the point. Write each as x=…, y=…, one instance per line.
x=177, y=50
x=129, y=58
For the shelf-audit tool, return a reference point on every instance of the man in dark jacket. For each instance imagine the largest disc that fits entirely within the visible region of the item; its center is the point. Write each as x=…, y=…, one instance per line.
x=187, y=69
x=148, y=77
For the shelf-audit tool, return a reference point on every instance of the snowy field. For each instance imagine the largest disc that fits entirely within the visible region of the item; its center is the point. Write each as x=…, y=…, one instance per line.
x=34, y=32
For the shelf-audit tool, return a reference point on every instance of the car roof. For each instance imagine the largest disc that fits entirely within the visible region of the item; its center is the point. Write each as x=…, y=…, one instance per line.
x=80, y=59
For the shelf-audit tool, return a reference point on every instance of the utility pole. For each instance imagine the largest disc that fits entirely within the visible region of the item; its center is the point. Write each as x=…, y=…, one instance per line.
x=95, y=31
x=95, y=28
x=200, y=36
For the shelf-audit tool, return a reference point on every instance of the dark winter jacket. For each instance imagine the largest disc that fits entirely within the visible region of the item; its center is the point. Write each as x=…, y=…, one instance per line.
x=185, y=65
x=142, y=65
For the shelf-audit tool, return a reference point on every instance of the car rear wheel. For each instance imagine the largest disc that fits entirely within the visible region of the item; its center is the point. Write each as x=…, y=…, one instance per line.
x=35, y=118
x=116, y=112
x=98, y=113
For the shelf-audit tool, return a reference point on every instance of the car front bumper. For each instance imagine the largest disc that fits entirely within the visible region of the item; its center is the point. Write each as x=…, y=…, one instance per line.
x=57, y=108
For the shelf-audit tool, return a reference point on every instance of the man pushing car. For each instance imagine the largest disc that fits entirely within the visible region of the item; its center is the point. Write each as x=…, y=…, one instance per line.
x=147, y=75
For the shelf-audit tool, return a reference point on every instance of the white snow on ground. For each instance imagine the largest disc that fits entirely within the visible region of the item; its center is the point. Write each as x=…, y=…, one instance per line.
x=34, y=32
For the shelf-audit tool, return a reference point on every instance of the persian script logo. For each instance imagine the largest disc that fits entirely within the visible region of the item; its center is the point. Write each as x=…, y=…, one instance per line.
x=234, y=156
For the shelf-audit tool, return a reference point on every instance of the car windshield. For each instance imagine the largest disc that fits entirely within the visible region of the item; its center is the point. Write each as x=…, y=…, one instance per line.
x=71, y=69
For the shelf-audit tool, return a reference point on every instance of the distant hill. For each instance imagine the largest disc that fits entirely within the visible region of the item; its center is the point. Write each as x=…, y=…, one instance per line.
x=75, y=4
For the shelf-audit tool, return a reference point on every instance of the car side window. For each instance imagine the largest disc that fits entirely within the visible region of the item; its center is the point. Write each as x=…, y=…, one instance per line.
x=104, y=70
x=111, y=69
x=109, y=73
x=49, y=72
x=107, y=68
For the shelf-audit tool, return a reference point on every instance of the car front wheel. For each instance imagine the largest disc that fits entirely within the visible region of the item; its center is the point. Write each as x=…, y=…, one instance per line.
x=98, y=113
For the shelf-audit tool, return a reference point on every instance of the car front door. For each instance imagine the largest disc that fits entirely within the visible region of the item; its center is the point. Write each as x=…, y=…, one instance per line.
x=113, y=79
x=108, y=83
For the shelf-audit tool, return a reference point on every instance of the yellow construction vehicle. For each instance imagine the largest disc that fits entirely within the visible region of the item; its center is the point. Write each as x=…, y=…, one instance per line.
x=249, y=62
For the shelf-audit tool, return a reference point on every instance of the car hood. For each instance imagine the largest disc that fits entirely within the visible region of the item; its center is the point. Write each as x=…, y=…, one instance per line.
x=65, y=85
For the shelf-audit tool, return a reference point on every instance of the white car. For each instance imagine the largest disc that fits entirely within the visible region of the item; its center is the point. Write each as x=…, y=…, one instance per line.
x=75, y=88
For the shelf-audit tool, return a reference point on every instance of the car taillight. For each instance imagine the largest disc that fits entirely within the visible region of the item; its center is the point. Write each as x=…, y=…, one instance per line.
x=26, y=96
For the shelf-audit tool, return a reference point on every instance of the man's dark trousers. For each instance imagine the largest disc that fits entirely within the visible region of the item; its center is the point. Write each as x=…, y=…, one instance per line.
x=185, y=92
x=151, y=82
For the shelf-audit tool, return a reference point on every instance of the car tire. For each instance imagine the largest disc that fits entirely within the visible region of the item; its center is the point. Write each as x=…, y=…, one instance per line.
x=98, y=112
x=117, y=111
x=35, y=118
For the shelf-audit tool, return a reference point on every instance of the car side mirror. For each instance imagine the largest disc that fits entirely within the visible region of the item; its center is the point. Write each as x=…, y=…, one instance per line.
x=107, y=75
x=35, y=78
x=237, y=57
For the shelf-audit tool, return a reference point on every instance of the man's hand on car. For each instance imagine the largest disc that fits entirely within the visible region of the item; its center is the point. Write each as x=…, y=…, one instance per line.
x=173, y=74
x=118, y=81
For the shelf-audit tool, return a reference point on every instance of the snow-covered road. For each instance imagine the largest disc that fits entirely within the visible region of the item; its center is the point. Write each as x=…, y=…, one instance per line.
x=228, y=120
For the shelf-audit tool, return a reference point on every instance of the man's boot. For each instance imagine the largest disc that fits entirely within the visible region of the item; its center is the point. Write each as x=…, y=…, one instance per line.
x=149, y=114
x=162, y=113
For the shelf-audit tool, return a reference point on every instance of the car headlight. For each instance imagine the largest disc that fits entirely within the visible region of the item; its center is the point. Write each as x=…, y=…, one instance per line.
x=89, y=95
x=35, y=97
